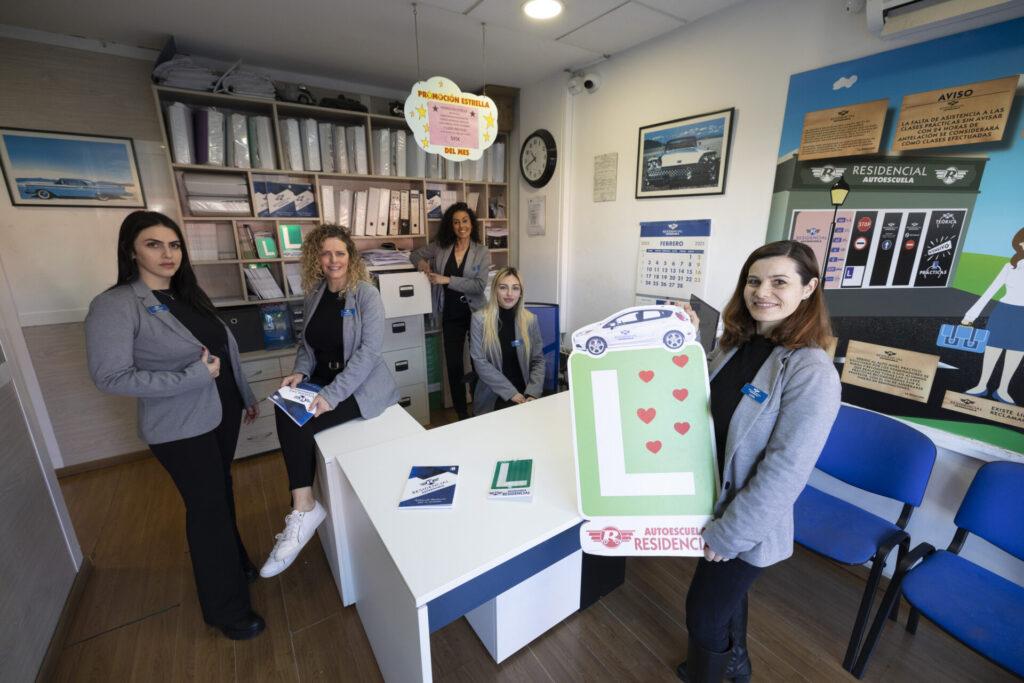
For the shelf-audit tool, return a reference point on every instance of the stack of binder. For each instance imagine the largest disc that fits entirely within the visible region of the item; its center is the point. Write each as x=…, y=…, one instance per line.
x=213, y=194
x=380, y=212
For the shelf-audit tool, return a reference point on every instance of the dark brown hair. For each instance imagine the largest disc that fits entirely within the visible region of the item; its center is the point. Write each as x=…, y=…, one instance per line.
x=1018, y=251
x=446, y=231
x=808, y=325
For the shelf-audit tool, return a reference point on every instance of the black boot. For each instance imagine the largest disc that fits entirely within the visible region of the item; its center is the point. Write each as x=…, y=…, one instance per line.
x=702, y=666
x=738, y=669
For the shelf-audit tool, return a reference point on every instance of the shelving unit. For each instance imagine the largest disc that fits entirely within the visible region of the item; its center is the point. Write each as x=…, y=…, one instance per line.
x=224, y=279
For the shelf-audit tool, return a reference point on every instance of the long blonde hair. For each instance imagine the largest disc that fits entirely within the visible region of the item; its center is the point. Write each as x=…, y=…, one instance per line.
x=491, y=343
x=309, y=262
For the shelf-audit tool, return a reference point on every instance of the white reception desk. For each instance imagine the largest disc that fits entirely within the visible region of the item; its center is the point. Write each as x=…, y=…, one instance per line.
x=511, y=567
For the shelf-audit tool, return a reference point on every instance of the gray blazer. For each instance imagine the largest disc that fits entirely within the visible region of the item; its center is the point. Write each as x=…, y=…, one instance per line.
x=770, y=451
x=136, y=347
x=474, y=279
x=493, y=382
x=365, y=376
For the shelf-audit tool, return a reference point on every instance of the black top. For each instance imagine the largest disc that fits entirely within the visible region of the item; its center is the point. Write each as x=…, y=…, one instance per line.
x=727, y=386
x=325, y=335
x=509, y=354
x=211, y=333
x=455, y=305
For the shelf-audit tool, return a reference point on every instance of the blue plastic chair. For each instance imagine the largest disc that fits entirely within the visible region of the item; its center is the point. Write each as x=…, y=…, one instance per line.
x=977, y=607
x=874, y=453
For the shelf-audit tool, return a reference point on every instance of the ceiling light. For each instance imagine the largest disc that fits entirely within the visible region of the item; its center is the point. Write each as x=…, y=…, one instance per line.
x=542, y=9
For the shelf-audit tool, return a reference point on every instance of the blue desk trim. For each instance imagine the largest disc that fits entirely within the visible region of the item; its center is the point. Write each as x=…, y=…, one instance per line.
x=446, y=608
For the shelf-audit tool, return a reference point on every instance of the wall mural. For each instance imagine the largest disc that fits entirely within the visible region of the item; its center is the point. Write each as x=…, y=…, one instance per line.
x=923, y=263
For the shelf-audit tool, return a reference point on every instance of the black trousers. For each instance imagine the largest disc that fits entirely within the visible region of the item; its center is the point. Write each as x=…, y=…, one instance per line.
x=298, y=444
x=455, y=333
x=716, y=591
x=201, y=469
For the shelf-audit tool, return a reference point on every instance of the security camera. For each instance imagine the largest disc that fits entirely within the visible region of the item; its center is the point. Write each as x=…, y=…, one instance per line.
x=575, y=85
x=591, y=82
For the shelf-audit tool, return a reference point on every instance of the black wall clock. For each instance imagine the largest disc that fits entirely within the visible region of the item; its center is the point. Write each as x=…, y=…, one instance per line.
x=538, y=157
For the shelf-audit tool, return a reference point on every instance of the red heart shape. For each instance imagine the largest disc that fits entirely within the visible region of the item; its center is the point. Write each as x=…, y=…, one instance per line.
x=682, y=427
x=654, y=446
x=646, y=375
x=680, y=394
x=646, y=415
x=680, y=360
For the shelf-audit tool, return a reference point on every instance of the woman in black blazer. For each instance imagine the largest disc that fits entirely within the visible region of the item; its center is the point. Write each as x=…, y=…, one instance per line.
x=456, y=263
x=155, y=335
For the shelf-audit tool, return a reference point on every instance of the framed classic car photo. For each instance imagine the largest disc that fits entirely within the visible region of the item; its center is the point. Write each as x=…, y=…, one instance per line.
x=62, y=169
x=686, y=156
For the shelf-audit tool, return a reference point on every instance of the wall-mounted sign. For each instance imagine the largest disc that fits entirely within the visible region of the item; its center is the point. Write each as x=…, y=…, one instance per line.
x=843, y=131
x=446, y=121
x=958, y=115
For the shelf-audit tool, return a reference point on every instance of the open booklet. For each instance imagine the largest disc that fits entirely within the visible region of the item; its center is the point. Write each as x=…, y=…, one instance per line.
x=295, y=402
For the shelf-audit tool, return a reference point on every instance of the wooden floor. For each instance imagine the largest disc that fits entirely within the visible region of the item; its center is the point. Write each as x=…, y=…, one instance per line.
x=139, y=619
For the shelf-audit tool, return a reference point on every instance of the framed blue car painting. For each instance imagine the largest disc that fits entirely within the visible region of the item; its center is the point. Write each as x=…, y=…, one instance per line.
x=41, y=168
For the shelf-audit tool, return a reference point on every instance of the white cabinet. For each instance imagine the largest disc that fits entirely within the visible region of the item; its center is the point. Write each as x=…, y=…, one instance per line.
x=406, y=298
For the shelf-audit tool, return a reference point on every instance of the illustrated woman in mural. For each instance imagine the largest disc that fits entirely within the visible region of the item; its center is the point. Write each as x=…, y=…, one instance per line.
x=1005, y=324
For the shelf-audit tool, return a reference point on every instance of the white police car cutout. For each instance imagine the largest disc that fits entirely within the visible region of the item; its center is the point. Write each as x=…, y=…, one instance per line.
x=668, y=326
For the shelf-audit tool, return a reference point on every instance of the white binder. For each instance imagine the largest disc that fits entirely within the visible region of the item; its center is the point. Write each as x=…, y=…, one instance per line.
x=261, y=139
x=326, y=147
x=398, y=152
x=345, y=209
x=238, y=141
x=382, y=152
x=383, y=212
x=179, y=130
x=415, y=212
x=359, y=202
x=355, y=136
x=415, y=159
x=310, y=144
x=372, y=211
x=340, y=151
x=395, y=212
x=291, y=144
x=327, y=199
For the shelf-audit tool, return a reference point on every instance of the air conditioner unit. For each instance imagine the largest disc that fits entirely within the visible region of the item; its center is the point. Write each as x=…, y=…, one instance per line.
x=924, y=19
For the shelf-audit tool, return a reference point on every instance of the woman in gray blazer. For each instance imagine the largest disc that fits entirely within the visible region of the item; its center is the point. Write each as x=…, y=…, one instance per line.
x=774, y=396
x=456, y=263
x=340, y=352
x=506, y=348
x=155, y=335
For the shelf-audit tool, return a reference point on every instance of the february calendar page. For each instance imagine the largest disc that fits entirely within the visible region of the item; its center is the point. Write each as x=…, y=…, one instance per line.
x=672, y=262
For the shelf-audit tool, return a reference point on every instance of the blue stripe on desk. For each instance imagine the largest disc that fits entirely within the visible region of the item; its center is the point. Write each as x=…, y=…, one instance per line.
x=445, y=609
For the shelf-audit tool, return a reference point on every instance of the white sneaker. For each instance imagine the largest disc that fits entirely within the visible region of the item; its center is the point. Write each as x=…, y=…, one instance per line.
x=298, y=529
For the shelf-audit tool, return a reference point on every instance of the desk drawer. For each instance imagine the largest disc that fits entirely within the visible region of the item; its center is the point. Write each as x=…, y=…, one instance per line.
x=407, y=366
x=257, y=370
x=413, y=398
x=260, y=436
x=403, y=333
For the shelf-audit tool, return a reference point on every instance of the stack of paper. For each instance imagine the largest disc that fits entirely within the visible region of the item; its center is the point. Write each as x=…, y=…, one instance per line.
x=378, y=258
x=261, y=282
x=202, y=241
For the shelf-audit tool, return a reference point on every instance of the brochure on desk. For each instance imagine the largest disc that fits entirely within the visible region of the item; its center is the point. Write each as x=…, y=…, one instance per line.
x=512, y=480
x=646, y=470
x=295, y=402
x=430, y=486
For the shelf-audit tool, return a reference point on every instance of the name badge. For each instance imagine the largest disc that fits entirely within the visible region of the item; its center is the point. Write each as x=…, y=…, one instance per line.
x=156, y=309
x=346, y=312
x=753, y=392
x=517, y=342
x=476, y=268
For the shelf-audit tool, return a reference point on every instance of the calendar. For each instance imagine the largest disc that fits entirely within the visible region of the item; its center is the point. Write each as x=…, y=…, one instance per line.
x=672, y=263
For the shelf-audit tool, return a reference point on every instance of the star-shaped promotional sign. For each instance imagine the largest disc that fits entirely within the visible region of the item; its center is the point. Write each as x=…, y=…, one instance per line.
x=446, y=121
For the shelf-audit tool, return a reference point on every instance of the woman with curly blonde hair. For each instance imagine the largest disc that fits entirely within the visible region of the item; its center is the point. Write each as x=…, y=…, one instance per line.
x=340, y=352
x=506, y=348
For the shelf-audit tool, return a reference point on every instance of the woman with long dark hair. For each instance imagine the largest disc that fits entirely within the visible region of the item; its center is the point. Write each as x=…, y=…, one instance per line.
x=340, y=352
x=506, y=348
x=456, y=263
x=774, y=396
x=155, y=335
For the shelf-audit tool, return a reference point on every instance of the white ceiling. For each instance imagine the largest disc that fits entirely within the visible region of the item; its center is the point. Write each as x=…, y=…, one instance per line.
x=373, y=41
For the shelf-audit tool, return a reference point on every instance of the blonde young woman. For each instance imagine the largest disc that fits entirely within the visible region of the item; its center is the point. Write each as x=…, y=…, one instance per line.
x=340, y=351
x=506, y=348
